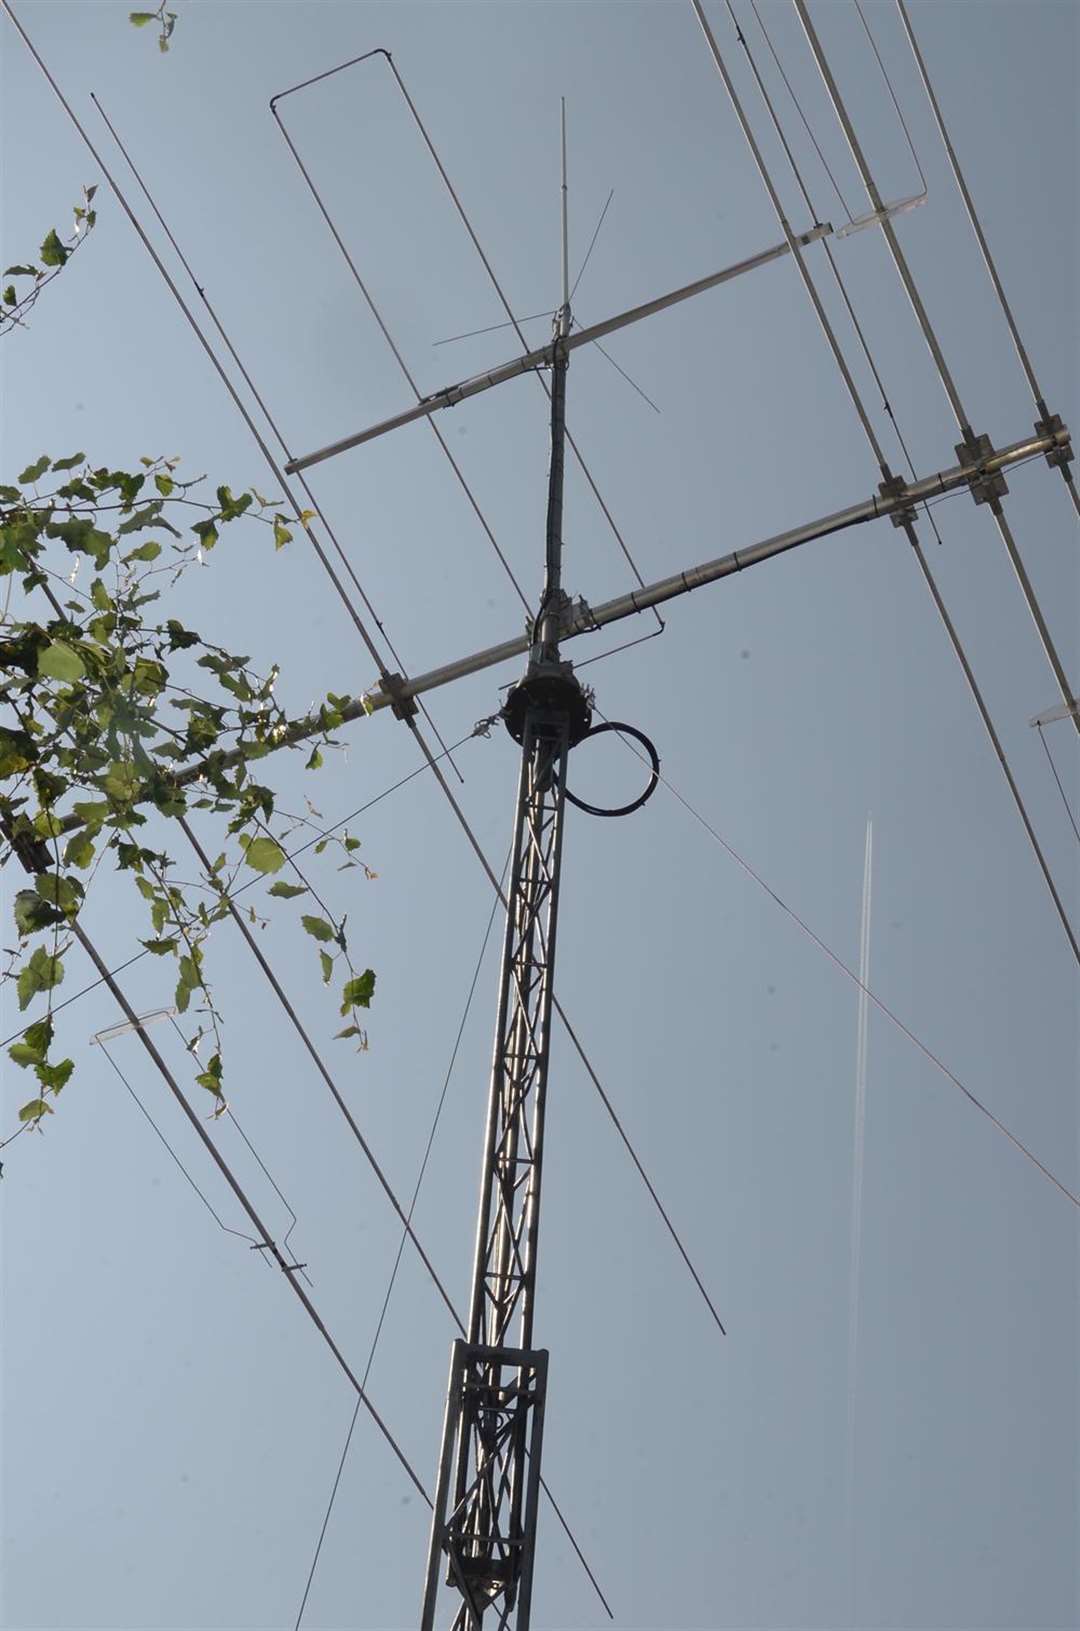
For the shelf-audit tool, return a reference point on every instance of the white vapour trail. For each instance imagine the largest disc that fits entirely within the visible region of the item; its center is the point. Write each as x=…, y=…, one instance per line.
x=862, y=1027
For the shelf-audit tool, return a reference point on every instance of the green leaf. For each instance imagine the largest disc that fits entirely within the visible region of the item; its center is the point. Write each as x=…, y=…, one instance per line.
x=145, y=552
x=24, y=1055
x=55, y=1076
x=232, y=507
x=81, y=534
x=327, y=966
x=52, y=251
x=32, y=913
x=357, y=993
x=122, y=782
x=318, y=928
x=350, y=1030
x=282, y=535
x=17, y=752
x=33, y=471
x=179, y=637
x=35, y=1110
x=188, y=982
x=10, y=297
x=160, y=948
x=69, y=464
x=264, y=854
x=141, y=18
x=287, y=891
x=39, y=1035
x=49, y=969
x=21, y=271
x=164, y=483
x=149, y=678
x=94, y=813
x=19, y=544
x=48, y=787
x=147, y=515
x=59, y=662
x=315, y=762
x=34, y=1046
x=80, y=850
x=206, y=532
x=210, y=1078
x=41, y=973
x=63, y=893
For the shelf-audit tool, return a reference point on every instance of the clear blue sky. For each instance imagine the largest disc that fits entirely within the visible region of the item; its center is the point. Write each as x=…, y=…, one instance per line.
x=171, y=1424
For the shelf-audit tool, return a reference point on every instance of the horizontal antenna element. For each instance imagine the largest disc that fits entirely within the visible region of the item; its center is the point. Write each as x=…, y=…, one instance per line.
x=542, y=357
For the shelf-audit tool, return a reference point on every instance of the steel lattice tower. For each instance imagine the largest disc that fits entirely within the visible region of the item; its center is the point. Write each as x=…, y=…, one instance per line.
x=484, y=1522
x=483, y=1531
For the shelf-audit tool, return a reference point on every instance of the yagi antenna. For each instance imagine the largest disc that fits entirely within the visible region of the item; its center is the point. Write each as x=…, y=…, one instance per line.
x=482, y=1540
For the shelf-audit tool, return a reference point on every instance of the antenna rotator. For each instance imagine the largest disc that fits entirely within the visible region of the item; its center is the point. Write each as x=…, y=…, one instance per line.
x=548, y=688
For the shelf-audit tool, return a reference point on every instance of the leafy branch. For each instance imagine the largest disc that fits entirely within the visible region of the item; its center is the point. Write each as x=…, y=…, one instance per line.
x=17, y=298
x=113, y=718
x=166, y=21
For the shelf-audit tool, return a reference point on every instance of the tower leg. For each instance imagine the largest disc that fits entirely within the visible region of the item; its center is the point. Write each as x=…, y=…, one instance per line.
x=484, y=1523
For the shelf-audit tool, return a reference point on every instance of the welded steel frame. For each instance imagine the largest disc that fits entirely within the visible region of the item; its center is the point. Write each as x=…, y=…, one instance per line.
x=510, y=1416
x=484, y=1522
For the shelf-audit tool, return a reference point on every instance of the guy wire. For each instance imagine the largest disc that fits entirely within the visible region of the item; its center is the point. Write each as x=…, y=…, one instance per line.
x=248, y=381
x=161, y=1136
x=231, y=1114
x=875, y=447
x=934, y=346
x=1060, y=787
x=290, y=855
x=260, y=1228
x=844, y=968
x=425, y=749
x=980, y=238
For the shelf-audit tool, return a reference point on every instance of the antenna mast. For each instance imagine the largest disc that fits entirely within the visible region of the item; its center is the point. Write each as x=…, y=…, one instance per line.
x=484, y=1518
x=484, y=1521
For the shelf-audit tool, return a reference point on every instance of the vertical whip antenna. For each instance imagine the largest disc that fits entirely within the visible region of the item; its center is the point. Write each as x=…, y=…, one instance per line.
x=564, y=310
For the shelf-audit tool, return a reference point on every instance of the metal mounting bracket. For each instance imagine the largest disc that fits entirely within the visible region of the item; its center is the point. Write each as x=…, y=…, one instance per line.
x=575, y=615
x=402, y=706
x=1058, y=458
x=896, y=488
x=986, y=487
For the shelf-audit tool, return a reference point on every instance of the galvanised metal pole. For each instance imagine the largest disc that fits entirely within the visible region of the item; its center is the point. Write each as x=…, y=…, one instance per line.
x=483, y=1530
